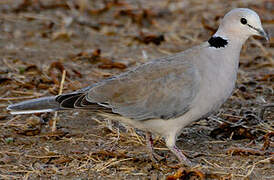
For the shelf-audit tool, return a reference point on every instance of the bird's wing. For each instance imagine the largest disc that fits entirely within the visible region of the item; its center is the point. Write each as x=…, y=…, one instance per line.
x=159, y=89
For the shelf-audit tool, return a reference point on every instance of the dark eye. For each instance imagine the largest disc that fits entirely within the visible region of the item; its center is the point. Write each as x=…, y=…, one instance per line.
x=243, y=21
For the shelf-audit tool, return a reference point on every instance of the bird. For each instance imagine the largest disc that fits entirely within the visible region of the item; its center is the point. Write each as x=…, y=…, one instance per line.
x=166, y=94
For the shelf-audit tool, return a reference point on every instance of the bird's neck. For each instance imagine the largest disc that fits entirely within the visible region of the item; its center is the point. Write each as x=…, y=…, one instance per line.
x=227, y=44
x=230, y=39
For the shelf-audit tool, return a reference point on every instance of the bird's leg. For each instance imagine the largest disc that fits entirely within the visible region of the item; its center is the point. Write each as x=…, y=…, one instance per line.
x=170, y=142
x=182, y=158
x=153, y=156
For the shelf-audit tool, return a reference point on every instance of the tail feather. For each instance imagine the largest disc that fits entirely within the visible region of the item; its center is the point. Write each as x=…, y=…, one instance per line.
x=70, y=101
x=76, y=100
x=63, y=97
x=44, y=104
x=32, y=111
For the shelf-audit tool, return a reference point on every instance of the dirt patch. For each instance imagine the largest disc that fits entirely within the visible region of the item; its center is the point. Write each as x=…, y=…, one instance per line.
x=93, y=40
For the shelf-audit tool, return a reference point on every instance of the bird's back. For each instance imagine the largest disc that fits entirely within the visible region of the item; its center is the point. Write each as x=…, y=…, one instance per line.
x=163, y=88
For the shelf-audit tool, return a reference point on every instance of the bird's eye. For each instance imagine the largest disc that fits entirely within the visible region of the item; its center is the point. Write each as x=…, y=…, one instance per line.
x=243, y=21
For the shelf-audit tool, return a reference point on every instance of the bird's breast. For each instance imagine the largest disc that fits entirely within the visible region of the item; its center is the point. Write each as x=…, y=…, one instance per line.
x=217, y=83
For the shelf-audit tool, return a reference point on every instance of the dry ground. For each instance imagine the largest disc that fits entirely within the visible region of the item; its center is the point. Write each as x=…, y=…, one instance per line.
x=93, y=40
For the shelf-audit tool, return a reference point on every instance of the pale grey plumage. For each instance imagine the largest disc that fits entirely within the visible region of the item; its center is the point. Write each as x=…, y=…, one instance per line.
x=163, y=88
x=166, y=94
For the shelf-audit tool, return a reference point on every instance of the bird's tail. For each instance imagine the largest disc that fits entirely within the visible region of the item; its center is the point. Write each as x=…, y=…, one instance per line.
x=44, y=104
x=74, y=100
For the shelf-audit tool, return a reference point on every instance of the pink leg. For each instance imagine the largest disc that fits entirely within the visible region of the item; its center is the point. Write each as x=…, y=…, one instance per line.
x=170, y=142
x=153, y=156
x=182, y=158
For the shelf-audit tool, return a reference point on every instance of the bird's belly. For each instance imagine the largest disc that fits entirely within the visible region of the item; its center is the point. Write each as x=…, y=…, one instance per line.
x=210, y=98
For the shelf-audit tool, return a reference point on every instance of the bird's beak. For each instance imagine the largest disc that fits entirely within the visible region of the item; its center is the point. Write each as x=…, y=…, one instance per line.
x=260, y=32
x=263, y=34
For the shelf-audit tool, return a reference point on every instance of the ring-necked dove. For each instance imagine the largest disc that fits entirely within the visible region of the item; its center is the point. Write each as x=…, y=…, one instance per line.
x=166, y=94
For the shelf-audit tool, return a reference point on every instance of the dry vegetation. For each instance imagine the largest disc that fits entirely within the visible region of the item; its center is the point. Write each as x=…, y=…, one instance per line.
x=85, y=41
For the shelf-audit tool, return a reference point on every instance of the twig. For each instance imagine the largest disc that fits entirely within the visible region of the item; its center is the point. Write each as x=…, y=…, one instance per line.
x=55, y=118
x=113, y=162
x=43, y=157
x=26, y=93
x=38, y=17
x=9, y=176
x=254, y=165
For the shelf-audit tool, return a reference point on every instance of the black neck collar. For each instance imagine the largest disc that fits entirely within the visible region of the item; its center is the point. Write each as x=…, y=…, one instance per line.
x=217, y=42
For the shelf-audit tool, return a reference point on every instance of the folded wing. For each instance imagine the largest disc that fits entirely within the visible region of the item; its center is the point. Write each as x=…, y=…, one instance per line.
x=155, y=90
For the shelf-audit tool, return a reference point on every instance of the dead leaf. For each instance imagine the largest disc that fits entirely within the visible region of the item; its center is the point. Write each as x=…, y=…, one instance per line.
x=61, y=160
x=58, y=66
x=235, y=132
x=31, y=128
x=59, y=133
x=5, y=80
x=185, y=174
x=142, y=17
x=108, y=64
x=150, y=38
x=267, y=141
x=247, y=152
x=62, y=34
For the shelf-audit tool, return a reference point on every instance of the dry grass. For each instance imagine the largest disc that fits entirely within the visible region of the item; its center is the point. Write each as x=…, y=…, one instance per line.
x=52, y=46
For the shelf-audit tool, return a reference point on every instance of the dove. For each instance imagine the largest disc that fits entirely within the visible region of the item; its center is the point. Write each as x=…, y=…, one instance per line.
x=166, y=94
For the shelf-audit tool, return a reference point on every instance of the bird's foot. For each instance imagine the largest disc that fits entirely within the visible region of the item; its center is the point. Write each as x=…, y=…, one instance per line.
x=182, y=158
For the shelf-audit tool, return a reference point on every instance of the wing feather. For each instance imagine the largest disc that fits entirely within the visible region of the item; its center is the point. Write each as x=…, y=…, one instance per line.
x=155, y=90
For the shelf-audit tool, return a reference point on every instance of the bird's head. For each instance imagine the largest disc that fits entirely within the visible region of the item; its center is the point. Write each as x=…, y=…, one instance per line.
x=242, y=23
